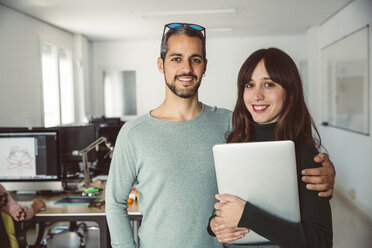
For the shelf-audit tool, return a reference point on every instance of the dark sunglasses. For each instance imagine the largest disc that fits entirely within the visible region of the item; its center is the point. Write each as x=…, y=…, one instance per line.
x=176, y=25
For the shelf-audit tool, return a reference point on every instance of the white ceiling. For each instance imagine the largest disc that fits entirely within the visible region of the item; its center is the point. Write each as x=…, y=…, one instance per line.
x=144, y=19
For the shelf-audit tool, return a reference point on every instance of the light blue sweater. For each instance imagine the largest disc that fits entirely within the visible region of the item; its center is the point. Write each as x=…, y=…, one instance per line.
x=171, y=165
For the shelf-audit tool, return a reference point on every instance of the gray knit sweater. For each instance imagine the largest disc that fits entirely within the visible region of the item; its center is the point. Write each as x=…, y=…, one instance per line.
x=171, y=165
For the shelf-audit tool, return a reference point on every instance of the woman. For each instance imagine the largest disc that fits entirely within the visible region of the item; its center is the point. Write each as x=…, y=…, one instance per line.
x=271, y=106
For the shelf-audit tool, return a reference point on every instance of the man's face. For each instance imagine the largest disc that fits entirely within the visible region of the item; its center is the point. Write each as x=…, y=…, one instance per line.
x=184, y=65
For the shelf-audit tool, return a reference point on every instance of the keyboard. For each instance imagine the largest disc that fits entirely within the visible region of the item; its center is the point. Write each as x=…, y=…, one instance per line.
x=25, y=203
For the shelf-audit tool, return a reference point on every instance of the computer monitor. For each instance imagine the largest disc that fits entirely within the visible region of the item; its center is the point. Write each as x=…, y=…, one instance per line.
x=29, y=160
x=74, y=138
x=13, y=129
x=104, y=121
x=110, y=132
x=104, y=161
x=107, y=126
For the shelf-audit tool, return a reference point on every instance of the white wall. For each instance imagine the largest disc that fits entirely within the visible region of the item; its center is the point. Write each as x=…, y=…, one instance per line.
x=82, y=67
x=20, y=66
x=350, y=152
x=132, y=55
x=225, y=56
x=20, y=69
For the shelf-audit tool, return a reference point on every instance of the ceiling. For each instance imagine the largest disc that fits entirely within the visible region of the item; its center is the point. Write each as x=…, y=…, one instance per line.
x=145, y=19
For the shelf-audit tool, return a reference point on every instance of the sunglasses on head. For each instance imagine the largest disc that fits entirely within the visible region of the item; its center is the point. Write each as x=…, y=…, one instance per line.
x=177, y=25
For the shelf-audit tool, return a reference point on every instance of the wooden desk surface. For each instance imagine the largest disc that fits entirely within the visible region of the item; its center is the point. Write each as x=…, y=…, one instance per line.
x=79, y=210
x=83, y=213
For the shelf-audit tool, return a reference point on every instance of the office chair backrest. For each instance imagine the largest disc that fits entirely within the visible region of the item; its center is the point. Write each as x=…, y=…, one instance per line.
x=7, y=231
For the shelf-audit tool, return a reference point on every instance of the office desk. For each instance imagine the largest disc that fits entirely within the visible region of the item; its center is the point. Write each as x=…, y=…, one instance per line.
x=84, y=213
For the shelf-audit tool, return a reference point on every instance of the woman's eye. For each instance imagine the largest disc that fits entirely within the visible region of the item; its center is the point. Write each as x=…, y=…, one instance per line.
x=248, y=85
x=269, y=84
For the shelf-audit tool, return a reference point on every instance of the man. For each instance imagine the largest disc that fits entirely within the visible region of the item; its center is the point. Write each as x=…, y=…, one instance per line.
x=167, y=154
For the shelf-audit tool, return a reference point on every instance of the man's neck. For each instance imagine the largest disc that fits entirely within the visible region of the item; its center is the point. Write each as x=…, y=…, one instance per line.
x=178, y=109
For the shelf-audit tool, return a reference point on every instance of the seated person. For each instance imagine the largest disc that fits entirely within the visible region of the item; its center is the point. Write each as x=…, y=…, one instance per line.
x=11, y=209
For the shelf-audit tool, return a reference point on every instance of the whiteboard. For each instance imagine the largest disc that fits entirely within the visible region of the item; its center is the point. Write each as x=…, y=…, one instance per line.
x=345, y=81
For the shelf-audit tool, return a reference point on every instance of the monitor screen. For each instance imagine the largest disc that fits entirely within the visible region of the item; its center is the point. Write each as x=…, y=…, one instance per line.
x=74, y=139
x=104, y=161
x=110, y=132
x=29, y=160
x=104, y=121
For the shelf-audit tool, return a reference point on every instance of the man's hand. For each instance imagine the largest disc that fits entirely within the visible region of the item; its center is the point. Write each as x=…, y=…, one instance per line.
x=226, y=234
x=322, y=178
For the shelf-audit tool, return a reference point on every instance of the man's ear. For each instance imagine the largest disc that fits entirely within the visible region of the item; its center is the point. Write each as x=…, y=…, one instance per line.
x=160, y=65
x=205, y=66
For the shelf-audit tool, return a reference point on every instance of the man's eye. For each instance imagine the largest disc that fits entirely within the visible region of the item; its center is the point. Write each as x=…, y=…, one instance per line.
x=197, y=61
x=176, y=59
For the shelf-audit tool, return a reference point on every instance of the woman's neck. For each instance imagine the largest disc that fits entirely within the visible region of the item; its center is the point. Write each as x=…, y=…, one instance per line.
x=263, y=132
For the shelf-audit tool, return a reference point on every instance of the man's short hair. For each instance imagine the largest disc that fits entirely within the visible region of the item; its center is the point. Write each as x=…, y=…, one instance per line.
x=182, y=30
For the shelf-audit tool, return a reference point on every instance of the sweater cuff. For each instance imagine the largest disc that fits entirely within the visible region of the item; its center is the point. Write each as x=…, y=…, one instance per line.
x=29, y=212
x=248, y=216
x=209, y=229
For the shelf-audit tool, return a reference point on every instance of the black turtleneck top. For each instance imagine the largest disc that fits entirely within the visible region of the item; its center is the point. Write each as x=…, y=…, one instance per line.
x=315, y=228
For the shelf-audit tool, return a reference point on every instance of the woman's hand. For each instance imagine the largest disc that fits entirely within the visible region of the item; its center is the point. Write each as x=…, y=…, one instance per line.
x=227, y=234
x=229, y=210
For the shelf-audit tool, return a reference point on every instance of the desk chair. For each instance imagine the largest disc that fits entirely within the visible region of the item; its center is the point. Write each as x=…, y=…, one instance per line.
x=16, y=231
x=80, y=229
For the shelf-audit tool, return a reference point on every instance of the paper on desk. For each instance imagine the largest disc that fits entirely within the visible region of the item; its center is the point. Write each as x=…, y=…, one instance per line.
x=29, y=203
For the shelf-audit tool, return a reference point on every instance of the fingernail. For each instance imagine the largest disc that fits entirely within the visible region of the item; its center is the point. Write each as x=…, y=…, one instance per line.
x=308, y=186
x=303, y=172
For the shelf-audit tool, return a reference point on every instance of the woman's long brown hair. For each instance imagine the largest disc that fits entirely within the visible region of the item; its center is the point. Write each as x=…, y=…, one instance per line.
x=295, y=122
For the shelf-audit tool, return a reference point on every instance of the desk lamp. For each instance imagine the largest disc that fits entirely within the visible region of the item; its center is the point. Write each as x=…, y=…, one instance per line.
x=87, y=149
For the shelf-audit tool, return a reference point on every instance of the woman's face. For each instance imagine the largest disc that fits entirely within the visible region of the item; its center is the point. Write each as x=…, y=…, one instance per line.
x=263, y=98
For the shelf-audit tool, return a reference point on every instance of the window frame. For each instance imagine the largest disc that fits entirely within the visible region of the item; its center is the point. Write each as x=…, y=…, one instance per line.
x=57, y=45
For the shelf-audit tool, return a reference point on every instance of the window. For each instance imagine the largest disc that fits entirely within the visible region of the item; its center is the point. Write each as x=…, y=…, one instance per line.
x=58, y=93
x=120, y=93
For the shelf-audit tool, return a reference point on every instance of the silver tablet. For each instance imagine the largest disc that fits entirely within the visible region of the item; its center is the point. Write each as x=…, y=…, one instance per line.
x=263, y=173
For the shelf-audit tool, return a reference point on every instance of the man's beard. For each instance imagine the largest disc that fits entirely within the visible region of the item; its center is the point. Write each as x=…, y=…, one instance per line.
x=185, y=92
